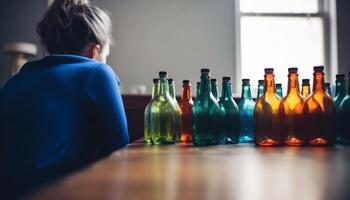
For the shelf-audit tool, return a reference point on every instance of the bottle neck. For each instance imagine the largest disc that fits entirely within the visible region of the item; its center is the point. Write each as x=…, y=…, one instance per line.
x=155, y=90
x=186, y=93
x=172, y=90
x=305, y=90
x=226, y=90
x=246, y=94
x=214, y=88
x=163, y=87
x=270, y=87
x=205, y=87
x=340, y=88
x=319, y=86
x=260, y=90
x=293, y=84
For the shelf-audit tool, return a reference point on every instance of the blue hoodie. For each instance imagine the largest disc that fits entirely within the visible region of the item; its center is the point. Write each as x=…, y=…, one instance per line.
x=57, y=115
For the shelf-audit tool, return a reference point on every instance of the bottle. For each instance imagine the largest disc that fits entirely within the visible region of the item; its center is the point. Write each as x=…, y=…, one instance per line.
x=155, y=90
x=340, y=89
x=163, y=114
x=291, y=112
x=279, y=90
x=198, y=89
x=344, y=118
x=266, y=117
x=229, y=123
x=305, y=88
x=186, y=104
x=246, y=112
x=205, y=114
x=319, y=113
x=260, y=89
x=215, y=88
x=340, y=94
x=178, y=110
x=328, y=89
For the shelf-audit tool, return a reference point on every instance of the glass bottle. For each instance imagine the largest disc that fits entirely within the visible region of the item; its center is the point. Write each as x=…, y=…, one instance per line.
x=319, y=113
x=246, y=112
x=155, y=90
x=229, y=123
x=328, y=89
x=291, y=112
x=186, y=104
x=178, y=110
x=344, y=118
x=215, y=88
x=198, y=89
x=305, y=88
x=260, y=89
x=266, y=116
x=279, y=90
x=163, y=114
x=205, y=114
x=340, y=89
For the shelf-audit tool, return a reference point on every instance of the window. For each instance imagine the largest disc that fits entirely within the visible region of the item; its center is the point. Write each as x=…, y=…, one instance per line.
x=281, y=34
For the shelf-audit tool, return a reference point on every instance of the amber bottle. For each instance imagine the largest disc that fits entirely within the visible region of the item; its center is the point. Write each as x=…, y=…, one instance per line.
x=319, y=113
x=291, y=111
x=266, y=114
x=186, y=103
x=305, y=88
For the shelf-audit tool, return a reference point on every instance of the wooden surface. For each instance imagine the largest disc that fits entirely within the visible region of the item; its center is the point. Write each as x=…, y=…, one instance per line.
x=217, y=172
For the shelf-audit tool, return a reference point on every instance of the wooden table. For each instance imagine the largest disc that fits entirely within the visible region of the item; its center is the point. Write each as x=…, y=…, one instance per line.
x=215, y=173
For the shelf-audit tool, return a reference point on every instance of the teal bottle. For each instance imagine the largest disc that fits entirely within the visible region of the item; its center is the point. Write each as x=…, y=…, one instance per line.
x=178, y=110
x=163, y=114
x=340, y=89
x=344, y=119
x=246, y=114
x=198, y=89
x=215, y=88
x=260, y=89
x=279, y=90
x=205, y=114
x=229, y=114
x=328, y=88
x=147, y=120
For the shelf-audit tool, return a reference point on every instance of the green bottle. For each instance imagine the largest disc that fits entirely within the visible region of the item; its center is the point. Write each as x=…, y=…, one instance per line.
x=178, y=110
x=260, y=89
x=198, y=89
x=163, y=114
x=155, y=90
x=214, y=88
x=229, y=115
x=205, y=114
x=279, y=90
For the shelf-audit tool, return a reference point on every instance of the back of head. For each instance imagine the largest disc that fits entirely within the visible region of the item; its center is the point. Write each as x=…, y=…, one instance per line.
x=69, y=26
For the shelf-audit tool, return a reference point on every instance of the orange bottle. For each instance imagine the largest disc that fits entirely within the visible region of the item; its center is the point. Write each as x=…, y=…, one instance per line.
x=319, y=113
x=305, y=88
x=291, y=111
x=266, y=114
x=186, y=103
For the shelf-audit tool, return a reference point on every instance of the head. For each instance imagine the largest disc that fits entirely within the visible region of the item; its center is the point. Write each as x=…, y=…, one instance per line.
x=76, y=27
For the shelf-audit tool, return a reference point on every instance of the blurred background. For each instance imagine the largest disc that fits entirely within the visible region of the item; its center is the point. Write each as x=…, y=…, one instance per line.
x=236, y=38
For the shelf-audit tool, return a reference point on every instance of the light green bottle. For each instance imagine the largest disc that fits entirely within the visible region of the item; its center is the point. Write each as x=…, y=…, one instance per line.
x=155, y=90
x=163, y=114
x=215, y=88
x=178, y=110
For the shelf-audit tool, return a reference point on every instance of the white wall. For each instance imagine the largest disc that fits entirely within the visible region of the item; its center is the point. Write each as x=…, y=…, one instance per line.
x=179, y=36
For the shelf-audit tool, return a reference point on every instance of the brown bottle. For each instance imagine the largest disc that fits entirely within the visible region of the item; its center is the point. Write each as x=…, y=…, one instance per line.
x=291, y=111
x=319, y=113
x=186, y=103
x=305, y=88
x=266, y=114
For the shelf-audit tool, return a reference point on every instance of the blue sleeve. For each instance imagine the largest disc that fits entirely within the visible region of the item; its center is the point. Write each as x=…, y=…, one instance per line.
x=103, y=91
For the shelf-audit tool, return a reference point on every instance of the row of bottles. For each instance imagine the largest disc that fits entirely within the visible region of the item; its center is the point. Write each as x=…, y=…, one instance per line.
x=299, y=118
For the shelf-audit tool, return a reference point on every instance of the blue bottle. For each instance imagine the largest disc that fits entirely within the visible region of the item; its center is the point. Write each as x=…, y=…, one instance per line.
x=246, y=114
x=340, y=90
x=260, y=89
x=344, y=119
x=279, y=90
x=229, y=114
x=328, y=88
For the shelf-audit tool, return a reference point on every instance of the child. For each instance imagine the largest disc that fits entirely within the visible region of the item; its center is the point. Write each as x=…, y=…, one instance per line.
x=63, y=111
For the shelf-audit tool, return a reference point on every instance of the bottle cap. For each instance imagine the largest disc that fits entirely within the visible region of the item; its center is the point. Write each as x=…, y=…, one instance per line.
x=340, y=77
x=261, y=82
x=205, y=70
x=245, y=81
x=306, y=81
x=268, y=70
x=327, y=84
x=163, y=74
x=186, y=82
x=170, y=80
x=226, y=78
x=213, y=80
x=278, y=84
x=155, y=80
x=318, y=68
x=293, y=70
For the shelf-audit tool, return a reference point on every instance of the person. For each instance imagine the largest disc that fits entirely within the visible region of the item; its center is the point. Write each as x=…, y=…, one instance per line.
x=62, y=112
